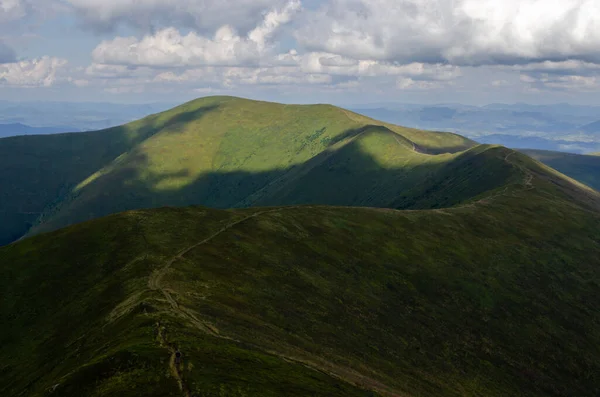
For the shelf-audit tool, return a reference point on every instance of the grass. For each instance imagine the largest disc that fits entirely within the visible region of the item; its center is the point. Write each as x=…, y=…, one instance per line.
x=491, y=293
x=584, y=168
x=215, y=151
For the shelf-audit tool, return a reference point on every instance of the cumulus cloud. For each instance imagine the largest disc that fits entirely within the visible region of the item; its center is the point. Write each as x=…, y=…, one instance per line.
x=571, y=67
x=199, y=15
x=169, y=47
x=414, y=76
x=571, y=75
x=41, y=72
x=398, y=44
x=557, y=82
x=12, y=10
x=320, y=62
x=407, y=83
x=460, y=32
x=235, y=76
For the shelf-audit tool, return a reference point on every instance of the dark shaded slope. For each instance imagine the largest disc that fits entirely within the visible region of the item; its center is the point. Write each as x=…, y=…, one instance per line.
x=476, y=173
x=496, y=296
x=369, y=168
x=584, y=168
x=39, y=172
x=84, y=321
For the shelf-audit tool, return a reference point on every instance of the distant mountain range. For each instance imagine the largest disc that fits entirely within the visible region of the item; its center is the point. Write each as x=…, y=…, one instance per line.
x=592, y=127
x=77, y=116
x=550, y=127
x=7, y=130
x=559, y=127
x=584, y=168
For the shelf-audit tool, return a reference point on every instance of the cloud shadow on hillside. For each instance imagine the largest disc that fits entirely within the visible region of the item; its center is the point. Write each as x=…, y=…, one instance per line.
x=346, y=176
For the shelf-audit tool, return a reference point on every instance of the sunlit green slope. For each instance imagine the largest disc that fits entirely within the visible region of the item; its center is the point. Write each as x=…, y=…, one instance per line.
x=215, y=151
x=493, y=293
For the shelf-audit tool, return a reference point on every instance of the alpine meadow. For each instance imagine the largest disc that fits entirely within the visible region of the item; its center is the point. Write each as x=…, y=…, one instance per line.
x=231, y=247
x=299, y=198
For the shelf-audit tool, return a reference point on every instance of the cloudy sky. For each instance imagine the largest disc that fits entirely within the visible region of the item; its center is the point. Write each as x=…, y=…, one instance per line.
x=340, y=51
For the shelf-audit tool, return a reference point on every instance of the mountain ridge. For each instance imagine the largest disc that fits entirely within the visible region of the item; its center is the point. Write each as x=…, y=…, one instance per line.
x=446, y=268
x=472, y=298
x=584, y=168
x=168, y=151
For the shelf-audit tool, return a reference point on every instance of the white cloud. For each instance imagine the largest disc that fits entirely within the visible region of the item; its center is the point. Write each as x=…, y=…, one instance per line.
x=199, y=15
x=407, y=83
x=571, y=75
x=461, y=32
x=41, y=72
x=129, y=89
x=235, y=76
x=272, y=76
x=108, y=71
x=570, y=67
x=11, y=10
x=397, y=44
x=169, y=48
x=272, y=21
x=550, y=81
x=321, y=62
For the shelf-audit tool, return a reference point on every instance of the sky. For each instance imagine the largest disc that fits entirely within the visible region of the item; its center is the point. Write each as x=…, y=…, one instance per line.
x=302, y=51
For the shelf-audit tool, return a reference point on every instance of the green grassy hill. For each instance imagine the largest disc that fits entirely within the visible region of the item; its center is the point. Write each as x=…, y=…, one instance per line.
x=217, y=151
x=494, y=292
x=584, y=168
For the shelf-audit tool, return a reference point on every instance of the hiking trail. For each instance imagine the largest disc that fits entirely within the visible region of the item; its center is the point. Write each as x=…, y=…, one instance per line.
x=348, y=375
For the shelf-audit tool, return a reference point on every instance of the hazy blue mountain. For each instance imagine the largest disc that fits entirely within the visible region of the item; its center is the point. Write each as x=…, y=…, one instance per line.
x=549, y=127
x=15, y=129
x=563, y=127
x=524, y=142
x=78, y=116
x=591, y=127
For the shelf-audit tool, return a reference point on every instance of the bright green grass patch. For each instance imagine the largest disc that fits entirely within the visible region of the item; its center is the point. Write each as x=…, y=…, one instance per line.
x=215, y=151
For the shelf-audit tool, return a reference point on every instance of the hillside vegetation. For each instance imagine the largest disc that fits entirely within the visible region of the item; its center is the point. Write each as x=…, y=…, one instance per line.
x=584, y=168
x=218, y=151
x=495, y=292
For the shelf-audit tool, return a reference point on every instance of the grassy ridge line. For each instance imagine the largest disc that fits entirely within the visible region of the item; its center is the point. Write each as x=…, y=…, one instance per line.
x=500, y=295
x=203, y=258
x=370, y=170
x=202, y=153
x=127, y=334
x=346, y=374
x=289, y=186
x=584, y=168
